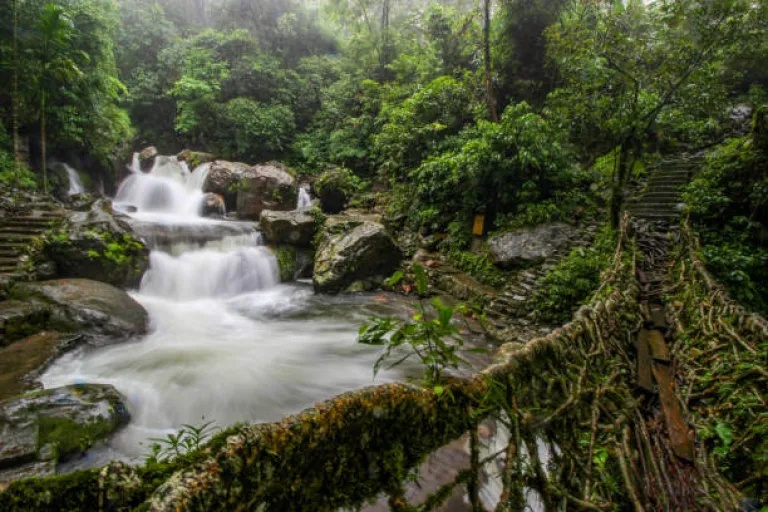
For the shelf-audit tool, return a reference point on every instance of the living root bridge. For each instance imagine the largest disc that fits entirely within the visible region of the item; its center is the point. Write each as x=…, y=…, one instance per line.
x=722, y=351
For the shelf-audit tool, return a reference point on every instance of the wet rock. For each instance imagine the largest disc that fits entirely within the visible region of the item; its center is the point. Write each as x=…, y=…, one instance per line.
x=194, y=158
x=294, y=227
x=147, y=157
x=354, y=251
x=334, y=189
x=529, y=245
x=224, y=178
x=24, y=360
x=213, y=205
x=55, y=424
x=98, y=310
x=97, y=244
x=19, y=319
x=266, y=187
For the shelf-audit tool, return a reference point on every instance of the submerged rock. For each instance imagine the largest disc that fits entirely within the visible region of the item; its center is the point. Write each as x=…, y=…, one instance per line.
x=294, y=227
x=41, y=428
x=98, y=310
x=266, y=187
x=224, y=178
x=353, y=252
x=97, y=244
x=529, y=245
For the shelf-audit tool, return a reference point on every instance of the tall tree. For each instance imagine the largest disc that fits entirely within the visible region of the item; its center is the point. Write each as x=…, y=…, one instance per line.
x=15, y=92
x=487, y=61
x=55, y=32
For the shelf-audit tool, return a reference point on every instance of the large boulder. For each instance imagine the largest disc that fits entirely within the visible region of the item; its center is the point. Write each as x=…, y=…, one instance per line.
x=294, y=227
x=41, y=428
x=224, y=178
x=529, y=245
x=353, y=254
x=97, y=244
x=97, y=310
x=266, y=187
x=194, y=158
x=334, y=189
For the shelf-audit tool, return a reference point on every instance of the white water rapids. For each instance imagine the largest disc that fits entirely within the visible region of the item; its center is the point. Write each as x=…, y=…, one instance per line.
x=227, y=342
x=75, y=183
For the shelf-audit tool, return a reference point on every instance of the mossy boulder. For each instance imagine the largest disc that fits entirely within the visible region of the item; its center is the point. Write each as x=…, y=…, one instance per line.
x=19, y=319
x=41, y=428
x=334, y=188
x=353, y=251
x=294, y=227
x=270, y=186
x=97, y=244
x=97, y=310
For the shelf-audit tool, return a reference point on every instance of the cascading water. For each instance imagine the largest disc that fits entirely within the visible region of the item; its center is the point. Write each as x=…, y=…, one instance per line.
x=228, y=343
x=168, y=192
x=304, y=200
x=75, y=183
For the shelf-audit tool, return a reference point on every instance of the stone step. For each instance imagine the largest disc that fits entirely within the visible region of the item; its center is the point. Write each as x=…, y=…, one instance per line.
x=21, y=229
x=17, y=237
x=29, y=221
x=10, y=253
x=657, y=215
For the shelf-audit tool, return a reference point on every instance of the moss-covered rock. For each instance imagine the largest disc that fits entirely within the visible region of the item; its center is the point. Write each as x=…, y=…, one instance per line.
x=270, y=186
x=294, y=227
x=286, y=262
x=351, y=250
x=96, y=244
x=334, y=188
x=19, y=319
x=97, y=310
x=55, y=424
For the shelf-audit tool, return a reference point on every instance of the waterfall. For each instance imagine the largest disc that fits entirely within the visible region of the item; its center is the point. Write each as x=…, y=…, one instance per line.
x=75, y=183
x=168, y=188
x=305, y=200
x=227, y=341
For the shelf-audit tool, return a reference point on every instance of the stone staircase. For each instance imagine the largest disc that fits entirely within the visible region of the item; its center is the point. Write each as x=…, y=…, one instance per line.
x=17, y=232
x=661, y=200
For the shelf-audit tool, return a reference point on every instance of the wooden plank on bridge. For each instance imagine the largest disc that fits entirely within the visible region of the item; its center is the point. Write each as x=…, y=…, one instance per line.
x=659, y=350
x=644, y=376
x=679, y=437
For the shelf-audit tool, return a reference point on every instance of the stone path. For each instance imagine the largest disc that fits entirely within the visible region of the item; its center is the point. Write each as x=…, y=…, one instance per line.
x=661, y=199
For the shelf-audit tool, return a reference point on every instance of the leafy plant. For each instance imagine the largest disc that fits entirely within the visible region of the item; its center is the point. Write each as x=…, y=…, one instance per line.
x=435, y=342
x=188, y=439
x=573, y=280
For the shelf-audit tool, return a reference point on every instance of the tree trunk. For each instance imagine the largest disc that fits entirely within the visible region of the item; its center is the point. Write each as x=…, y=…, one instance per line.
x=15, y=94
x=42, y=143
x=487, y=57
x=622, y=170
x=386, y=44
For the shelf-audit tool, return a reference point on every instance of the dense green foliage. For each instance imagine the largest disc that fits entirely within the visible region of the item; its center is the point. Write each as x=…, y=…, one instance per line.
x=574, y=279
x=729, y=202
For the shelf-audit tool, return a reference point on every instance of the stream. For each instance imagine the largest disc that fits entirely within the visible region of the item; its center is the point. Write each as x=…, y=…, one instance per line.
x=228, y=343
